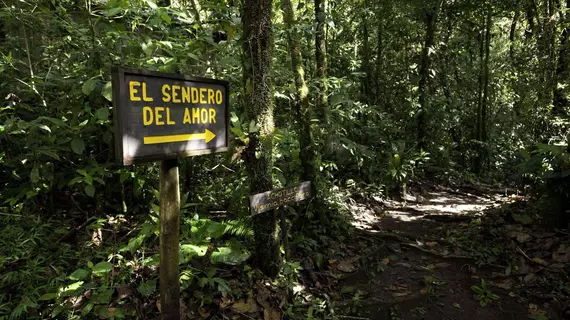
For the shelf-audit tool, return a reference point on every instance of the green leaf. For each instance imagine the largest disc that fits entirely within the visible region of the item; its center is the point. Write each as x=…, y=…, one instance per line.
x=151, y=4
x=90, y=190
x=79, y=274
x=165, y=17
x=35, y=175
x=87, y=309
x=48, y=296
x=55, y=121
x=248, y=86
x=44, y=127
x=75, y=180
x=253, y=127
x=113, y=11
x=70, y=289
x=147, y=288
x=49, y=153
x=102, y=114
x=89, y=86
x=227, y=255
x=107, y=91
x=222, y=285
x=188, y=251
x=77, y=146
x=102, y=267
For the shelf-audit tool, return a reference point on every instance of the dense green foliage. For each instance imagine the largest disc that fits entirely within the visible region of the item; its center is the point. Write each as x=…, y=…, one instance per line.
x=396, y=91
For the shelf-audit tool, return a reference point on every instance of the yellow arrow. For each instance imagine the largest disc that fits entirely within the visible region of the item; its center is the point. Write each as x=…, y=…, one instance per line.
x=207, y=135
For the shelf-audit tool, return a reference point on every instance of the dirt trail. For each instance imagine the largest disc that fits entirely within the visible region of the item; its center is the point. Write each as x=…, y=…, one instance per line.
x=402, y=265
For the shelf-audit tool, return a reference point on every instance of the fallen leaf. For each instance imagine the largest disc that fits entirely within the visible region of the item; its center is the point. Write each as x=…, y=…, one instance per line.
x=271, y=314
x=523, y=237
x=386, y=261
x=124, y=291
x=524, y=268
x=431, y=244
x=529, y=278
x=405, y=265
x=562, y=254
x=547, y=244
x=506, y=284
x=539, y=261
x=457, y=305
x=224, y=303
x=442, y=265
x=400, y=294
x=346, y=266
x=203, y=312
x=249, y=306
x=557, y=266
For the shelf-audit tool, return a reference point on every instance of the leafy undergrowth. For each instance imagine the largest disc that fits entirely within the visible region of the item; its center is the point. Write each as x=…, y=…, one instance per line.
x=108, y=269
x=402, y=261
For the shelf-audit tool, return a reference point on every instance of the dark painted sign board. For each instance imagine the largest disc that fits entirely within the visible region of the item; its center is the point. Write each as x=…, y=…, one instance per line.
x=274, y=199
x=160, y=116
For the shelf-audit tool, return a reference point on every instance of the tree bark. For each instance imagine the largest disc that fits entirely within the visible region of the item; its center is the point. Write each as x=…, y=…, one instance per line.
x=430, y=21
x=367, y=83
x=379, y=59
x=307, y=152
x=486, y=77
x=258, y=99
x=512, y=34
x=481, y=83
x=563, y=67
x=321, y=61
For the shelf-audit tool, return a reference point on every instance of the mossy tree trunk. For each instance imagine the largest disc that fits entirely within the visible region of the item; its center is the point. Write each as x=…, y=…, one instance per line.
x=366, y=68
x=321, y=61
x=561, y=102
x=303, y=108
x=258, y=99
x=430, y=21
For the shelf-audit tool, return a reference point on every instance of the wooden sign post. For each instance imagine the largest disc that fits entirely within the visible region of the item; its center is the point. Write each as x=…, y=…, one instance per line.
x=161, y=116
x=270, y=200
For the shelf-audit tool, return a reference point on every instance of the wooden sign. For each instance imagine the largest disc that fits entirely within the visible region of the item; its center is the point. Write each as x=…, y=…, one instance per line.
x=274, y=199
x=162, y=116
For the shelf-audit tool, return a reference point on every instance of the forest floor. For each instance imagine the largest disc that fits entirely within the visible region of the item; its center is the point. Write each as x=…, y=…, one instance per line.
x=450, y=254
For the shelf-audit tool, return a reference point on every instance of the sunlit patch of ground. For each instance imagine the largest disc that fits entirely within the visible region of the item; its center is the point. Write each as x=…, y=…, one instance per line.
x=418, y=206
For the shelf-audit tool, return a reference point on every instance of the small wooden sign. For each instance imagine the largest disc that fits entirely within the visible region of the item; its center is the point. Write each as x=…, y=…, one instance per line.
x=163, y=116
x=274, y=199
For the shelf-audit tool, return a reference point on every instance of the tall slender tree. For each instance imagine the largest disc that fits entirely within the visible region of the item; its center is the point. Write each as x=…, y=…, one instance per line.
x=303, y=110
x=258, y=99
x=563, y=65
x=366, y=69
x=321, y=60
x=430, y=18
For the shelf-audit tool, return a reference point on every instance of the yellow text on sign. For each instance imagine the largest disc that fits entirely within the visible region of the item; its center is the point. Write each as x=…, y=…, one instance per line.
x=161, y=116
x=158, y=116
x=183, y=94
x=134, y=87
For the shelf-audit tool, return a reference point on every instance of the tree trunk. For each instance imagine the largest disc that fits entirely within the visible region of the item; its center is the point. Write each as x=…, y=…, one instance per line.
x=307, y=152
x=512, y=34
x=258, y=99
x=563, y=67
x=485, y=103
x=481, y=82
x=379, y=59
x=321, y=60
x=367, y=83
x=430, y=20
